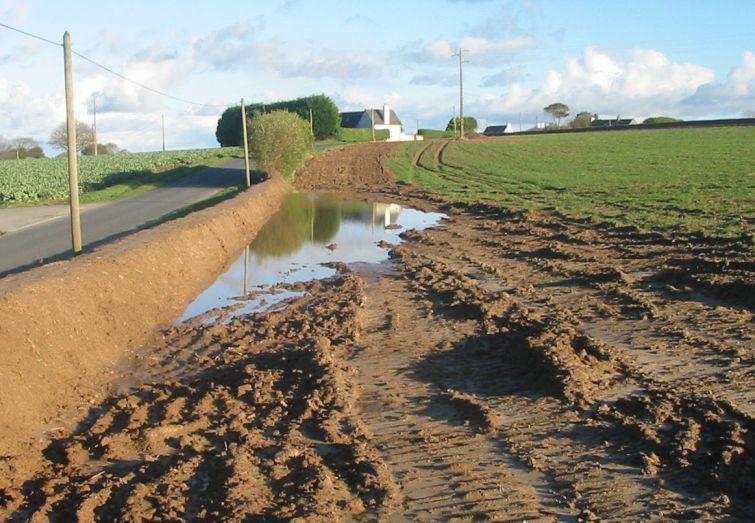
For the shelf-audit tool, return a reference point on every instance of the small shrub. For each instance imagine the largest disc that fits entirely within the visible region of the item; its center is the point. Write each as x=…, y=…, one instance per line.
x=279, y=142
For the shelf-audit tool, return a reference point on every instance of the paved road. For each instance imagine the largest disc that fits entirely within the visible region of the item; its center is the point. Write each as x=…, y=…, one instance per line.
x=50, y=240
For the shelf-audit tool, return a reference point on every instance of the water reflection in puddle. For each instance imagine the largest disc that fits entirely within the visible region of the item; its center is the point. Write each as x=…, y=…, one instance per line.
x=309, y=229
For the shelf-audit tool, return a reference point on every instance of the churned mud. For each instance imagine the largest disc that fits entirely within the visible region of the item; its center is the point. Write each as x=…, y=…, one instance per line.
x=500, y=366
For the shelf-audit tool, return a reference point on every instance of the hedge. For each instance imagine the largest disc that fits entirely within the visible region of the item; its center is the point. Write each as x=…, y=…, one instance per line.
x=362, y=135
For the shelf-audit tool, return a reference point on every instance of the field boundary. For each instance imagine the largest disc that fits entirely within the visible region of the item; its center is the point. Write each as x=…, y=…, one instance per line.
x=730, y=122
x=64, y=325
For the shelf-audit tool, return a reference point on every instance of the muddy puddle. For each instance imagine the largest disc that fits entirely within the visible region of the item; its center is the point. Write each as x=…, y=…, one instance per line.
x=309, y=232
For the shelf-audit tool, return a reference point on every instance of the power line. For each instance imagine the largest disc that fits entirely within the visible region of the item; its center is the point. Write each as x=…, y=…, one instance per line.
x=148, y=88
x=114, y=73
x=31, y=35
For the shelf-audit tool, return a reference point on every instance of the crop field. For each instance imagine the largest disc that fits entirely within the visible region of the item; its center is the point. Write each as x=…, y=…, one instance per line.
x=693, y=179
x=45, y=179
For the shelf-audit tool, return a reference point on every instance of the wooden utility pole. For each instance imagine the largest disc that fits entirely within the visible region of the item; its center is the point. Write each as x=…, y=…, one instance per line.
x=94, y=127
x=460, y=54
x=246, y=145
x=162, y=117
x=311, y=123
x=372, y=123
x=73, y=170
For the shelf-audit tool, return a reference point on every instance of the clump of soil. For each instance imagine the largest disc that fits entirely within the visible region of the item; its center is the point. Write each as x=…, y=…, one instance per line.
x=255, y=421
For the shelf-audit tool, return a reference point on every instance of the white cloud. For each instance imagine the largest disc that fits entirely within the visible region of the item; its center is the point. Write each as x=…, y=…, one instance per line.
x=227, y=48
x=435, y=78
x=22, y=53
x=138, y=133
x=236, y=46
x=483, y=52
x=355, y=98
x=154, y=67
x=647, y=83
x=505, y=76
x=28, y=114
x=735, y=95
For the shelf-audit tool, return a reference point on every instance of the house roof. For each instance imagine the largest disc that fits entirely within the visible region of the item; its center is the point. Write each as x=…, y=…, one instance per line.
x=380, y=117
x=351, y=119
x=598, y=122
x=492, y=130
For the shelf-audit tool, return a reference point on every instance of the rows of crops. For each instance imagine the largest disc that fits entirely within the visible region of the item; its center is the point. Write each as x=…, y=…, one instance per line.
x=31, y=180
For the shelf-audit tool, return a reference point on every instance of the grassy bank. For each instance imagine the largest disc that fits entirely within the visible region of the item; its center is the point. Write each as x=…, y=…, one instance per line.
x=102, y=178
x=698, y=179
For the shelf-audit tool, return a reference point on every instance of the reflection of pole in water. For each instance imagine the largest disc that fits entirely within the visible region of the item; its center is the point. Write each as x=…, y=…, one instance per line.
x=372, y=221
x=246, y=267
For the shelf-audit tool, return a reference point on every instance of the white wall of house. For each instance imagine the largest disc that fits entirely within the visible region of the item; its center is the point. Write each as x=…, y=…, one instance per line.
x=394, y=132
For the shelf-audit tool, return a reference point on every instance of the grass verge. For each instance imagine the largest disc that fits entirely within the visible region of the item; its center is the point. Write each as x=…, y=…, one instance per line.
x=147, y=182
x=225, y=194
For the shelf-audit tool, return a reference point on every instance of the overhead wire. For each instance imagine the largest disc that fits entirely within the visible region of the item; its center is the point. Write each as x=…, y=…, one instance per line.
x=59, y=44
x=148, y=88
x=115, y=73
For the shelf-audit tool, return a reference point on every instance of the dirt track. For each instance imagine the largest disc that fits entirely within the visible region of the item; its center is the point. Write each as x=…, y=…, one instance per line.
x=500, y=367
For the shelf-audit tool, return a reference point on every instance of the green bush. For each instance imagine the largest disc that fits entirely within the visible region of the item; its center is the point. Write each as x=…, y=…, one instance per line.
x=279, y=142
x=361, y=135
x=661, y=119
x=470, y=124
x=433, y=133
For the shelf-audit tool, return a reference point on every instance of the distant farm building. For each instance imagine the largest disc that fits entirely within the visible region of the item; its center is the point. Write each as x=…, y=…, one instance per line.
x=614, y=122
x=498, y=130
x=378, y=119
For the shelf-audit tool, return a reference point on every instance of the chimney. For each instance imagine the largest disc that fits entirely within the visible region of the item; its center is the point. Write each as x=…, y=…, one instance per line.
x=386, y=114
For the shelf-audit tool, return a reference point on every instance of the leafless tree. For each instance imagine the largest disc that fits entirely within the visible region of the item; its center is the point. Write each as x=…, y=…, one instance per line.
x=84, y=137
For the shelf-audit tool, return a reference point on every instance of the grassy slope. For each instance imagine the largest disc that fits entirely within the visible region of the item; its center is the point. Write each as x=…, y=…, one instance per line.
x=147, y=182
x=701, y=179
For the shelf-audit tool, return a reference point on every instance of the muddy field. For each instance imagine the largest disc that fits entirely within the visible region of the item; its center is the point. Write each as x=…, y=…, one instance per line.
x=500, y=366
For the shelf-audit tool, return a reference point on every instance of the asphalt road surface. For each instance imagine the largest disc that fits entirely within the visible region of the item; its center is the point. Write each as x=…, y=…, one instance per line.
x=51, y=241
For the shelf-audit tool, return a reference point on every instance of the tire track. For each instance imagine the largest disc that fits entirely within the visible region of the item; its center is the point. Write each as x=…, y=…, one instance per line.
x=435, y=449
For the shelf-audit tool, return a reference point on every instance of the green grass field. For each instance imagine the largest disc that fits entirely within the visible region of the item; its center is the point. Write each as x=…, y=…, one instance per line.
x=697, y=179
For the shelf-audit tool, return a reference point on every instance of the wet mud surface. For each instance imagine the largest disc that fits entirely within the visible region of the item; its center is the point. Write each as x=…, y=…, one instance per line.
x=499, y=366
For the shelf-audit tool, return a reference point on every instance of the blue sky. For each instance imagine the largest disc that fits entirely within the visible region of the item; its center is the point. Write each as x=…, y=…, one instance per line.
x=690, y=59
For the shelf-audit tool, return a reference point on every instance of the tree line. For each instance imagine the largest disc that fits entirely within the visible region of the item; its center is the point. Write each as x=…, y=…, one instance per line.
x=25, y=147
x=325, y=116
x=20, y=148
x=559, y=110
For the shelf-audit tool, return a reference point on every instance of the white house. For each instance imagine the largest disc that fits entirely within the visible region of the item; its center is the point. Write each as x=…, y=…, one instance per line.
x=613, y=122
x=384, y=118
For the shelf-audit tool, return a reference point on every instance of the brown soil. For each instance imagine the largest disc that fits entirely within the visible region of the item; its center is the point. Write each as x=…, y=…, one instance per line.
x=501, y=366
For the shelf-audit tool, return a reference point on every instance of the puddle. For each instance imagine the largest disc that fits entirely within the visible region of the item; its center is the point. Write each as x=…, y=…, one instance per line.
x=309, y=229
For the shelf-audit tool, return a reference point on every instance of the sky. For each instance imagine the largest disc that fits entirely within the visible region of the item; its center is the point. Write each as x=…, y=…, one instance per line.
x=692, y=59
